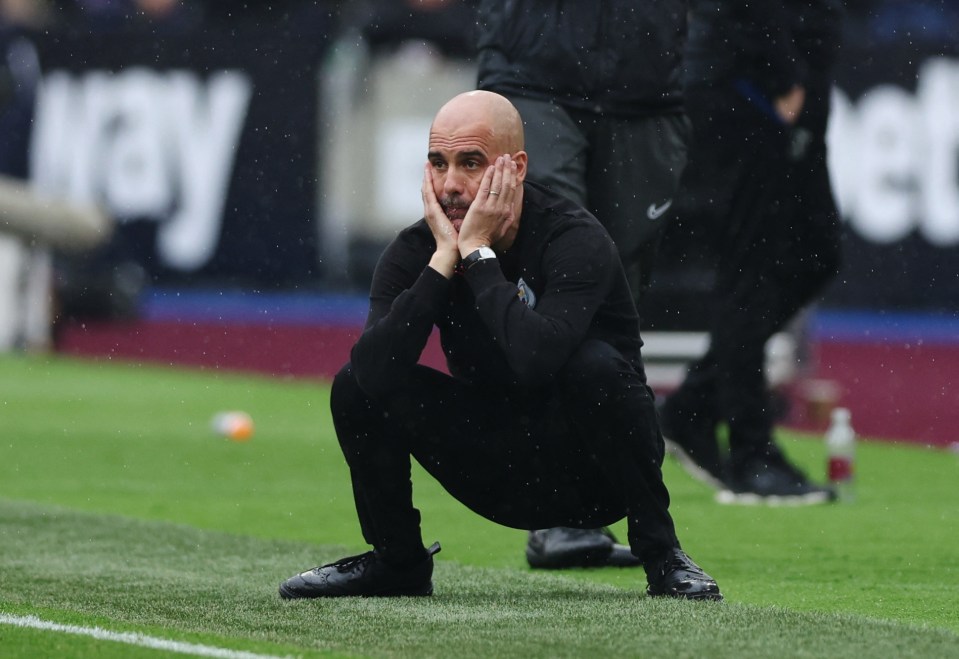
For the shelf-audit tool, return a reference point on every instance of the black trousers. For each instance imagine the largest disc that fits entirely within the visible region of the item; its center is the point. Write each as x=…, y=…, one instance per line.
x=772, y=214
x=625, y=170
x=584, y=452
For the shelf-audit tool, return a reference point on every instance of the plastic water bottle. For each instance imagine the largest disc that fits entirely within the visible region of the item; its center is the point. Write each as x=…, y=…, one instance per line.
x=841, y=451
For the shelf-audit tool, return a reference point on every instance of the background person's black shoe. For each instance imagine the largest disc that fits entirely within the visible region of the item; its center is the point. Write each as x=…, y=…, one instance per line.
x=365, y=575
x=563, y=547
x=691, y=439
x=677, y=576
x=770, y=479
x=622, y=556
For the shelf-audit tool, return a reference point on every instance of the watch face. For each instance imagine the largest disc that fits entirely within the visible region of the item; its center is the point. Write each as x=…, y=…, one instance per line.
x=486, y=253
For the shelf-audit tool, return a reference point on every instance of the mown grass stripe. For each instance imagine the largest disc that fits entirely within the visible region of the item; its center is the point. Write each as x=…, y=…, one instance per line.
x=131, y=638
x=119, y=508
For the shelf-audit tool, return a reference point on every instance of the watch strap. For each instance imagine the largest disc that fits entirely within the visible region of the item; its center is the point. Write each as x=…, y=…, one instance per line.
x=474, y=257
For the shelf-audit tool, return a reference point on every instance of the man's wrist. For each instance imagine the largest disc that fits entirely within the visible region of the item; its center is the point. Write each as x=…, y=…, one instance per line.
x=444, y=263
x=467, y=248
x=483, y=253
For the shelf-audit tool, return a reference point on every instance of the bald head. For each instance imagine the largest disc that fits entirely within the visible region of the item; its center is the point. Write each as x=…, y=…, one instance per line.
x=474, y=136
x=489, y=112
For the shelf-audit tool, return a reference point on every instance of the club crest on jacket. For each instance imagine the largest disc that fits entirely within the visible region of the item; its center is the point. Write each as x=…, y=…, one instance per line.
x=526, y=294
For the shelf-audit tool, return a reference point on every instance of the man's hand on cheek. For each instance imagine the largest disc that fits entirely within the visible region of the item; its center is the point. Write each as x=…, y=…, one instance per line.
x=491, y=213
x=447, y=255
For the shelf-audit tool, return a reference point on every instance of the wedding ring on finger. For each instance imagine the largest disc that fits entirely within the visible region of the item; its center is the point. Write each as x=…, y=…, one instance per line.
x=493, y=192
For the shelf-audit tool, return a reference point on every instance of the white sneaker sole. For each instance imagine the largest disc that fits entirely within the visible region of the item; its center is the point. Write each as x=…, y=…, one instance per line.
x=730, y=498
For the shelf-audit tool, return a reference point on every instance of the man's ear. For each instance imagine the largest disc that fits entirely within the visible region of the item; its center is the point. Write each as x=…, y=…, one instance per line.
x=522, y=160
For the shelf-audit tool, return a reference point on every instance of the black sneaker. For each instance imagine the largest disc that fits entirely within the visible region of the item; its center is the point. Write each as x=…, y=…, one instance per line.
x=691, y=439
x=770, y=479
x=677, y=576
x=365, y=575
x=563, y=547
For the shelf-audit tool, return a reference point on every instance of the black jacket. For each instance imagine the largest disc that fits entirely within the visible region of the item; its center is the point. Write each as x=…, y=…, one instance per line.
x=510, y=322
x=619, y=57
x=772, y=44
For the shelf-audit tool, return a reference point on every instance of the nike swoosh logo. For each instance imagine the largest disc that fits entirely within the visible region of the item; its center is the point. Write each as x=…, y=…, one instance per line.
x=654, y=212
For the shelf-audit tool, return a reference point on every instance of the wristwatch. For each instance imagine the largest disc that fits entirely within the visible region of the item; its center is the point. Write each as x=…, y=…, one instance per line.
x=481, y=254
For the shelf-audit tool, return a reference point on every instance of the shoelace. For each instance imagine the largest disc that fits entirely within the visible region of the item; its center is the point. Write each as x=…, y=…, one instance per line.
x=680, y=561
x=348, y=563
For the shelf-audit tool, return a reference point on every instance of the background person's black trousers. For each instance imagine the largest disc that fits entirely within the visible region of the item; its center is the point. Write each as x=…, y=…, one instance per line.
x=619, y=168
x=776, y=224
x=584, y=452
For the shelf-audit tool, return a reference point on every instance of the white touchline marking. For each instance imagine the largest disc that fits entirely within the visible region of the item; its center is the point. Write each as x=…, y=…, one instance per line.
x=132, y=638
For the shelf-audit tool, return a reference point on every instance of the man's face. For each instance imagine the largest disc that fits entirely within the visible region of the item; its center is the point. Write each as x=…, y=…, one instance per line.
x=459, y=154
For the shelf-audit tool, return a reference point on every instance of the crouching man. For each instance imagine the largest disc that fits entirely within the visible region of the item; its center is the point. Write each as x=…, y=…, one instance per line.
x=545, y=419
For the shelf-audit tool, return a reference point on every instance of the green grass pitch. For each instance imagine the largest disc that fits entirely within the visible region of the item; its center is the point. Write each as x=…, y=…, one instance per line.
x=120, y=510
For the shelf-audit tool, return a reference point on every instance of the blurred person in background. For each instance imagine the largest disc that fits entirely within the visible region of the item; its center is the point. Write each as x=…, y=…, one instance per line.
x=25, y=266
x=758, y=86
x=599, y=87
x=19, y=78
